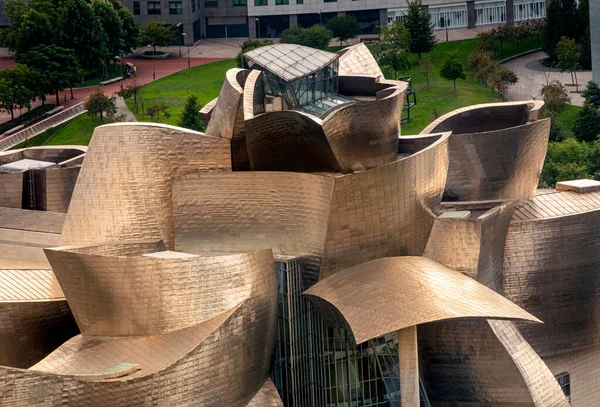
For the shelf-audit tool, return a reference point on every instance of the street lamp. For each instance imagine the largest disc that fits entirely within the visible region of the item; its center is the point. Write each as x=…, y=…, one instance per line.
x=153, y=71
x=258, y=25
x=188, y=46
x=179, y=31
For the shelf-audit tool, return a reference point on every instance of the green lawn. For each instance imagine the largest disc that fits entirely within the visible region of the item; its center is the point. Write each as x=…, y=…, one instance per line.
x=204, y=80
x=75, y=132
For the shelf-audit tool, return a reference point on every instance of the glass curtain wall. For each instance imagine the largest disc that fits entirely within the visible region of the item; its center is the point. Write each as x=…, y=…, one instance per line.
x=450, y=17
x=529, y=10
x=490, y=13
x=396, y=15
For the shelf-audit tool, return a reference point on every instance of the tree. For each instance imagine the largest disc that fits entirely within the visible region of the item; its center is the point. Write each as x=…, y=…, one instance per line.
x=99, y=105
x=57, y=67
x=565, y=161
x=556, y=97
x=32, y=23
x=452, y=69
x=156, y=34
x=586, y=126
x=426, y=67
x=482, y=62
x=591, y=94
x=568, y=52
x=561, y=21
x=418, y=23
x=249, y=45
x=112, y=26
x=190, y=116
x=155, y=111
x=501, y=78
x=394, y=46
x=487, y=42
x=315, y=37
x=81, y=31
x=15, y=89
x=344, y=27
x=131, y=31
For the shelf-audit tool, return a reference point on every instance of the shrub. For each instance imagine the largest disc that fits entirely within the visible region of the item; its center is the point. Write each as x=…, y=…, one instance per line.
x=315, y=37
x=586, y=126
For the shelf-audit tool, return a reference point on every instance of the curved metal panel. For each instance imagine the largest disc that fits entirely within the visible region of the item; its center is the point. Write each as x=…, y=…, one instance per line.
x=124, y=187
x=372, y=298
x=288, y=141
x=385, y=211
x=551, y=269
x=364, y=135
x=267, y=396
x=358, y=59
x=223, y=121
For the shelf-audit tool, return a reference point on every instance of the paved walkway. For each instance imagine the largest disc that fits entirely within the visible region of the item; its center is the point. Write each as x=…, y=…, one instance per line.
x=533, y=76
x=122, y=109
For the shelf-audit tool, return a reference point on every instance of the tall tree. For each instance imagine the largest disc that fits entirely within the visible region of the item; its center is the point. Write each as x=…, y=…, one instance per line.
x=344, y=27
x=81, y=31
x=57, y=67
x=156, y=34
x=418, y=22
x=561, y=21
x=15, y=89
x=131, y=31
x=568, y=52
x=190, y=116
x=586, y=126
x=452, y=69
x=32, y=23
x=112, y=26
x=394, y=46
x=591, y=94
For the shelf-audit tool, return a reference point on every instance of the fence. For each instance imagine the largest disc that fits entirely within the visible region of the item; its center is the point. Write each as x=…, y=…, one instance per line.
x=40, y=127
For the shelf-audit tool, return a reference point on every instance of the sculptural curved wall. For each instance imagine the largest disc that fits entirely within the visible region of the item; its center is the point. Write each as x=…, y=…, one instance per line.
x=357, y=140
x=150, y=278
x=124, y=187
x=551, y=269
x=371, y=299
x=288, y=141
x=385, y=211
x=358, y=59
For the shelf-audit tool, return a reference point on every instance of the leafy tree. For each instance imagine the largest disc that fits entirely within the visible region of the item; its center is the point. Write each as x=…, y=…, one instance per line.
x=388, y=72
x=482, y=62
x=452, y=69
x=315, y=37
x=344, y=27
x=15, y=89
x=556, y=97
x=487, y=42
x=557, y=131
x=520, y=32
x=132, y=90
x=99, y=105
x=586, y=126
x=81, y=31
x=155, y=111
x=591, y=94
x=32, y=23
x=131, y=31
x=418, y=22
x=426, y=67
x=190, y=116
x=561, y=21
x=568, y=52
x=156, y=34
x=249, y=45
x=394, y=46
x=565, y=161
x=57, y=67
x=112, y=26
x=501, y=78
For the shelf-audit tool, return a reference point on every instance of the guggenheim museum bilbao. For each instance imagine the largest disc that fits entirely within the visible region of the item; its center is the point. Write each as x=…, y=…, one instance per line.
x=301, y=253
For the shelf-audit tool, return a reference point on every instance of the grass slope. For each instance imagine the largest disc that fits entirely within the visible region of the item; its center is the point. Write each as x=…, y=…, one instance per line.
x=204, y=80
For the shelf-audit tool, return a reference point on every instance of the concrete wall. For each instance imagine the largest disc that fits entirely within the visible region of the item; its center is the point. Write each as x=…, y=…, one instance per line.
x=11, y=190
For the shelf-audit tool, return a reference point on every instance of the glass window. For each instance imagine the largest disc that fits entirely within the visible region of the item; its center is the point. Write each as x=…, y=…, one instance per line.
x=490, y=13
x=136, y=8
x=565, y=384
x=282, y=1
x=261, y=2
x=239, y=2
x=396, y=15
x=211, y=4
x=193, y=6
x=154, y=7
x=450, y=17
x=330, y=1
x=299, y=1
x=529, y=9
x=175, y=7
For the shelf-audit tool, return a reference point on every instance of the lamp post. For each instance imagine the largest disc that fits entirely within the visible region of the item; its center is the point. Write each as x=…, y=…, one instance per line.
x=258, y=25
x=153, y=71
x=179, y=36
x=188, y=47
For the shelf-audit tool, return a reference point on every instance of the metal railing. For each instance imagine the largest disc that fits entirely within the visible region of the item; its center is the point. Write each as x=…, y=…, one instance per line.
x=40, y=127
